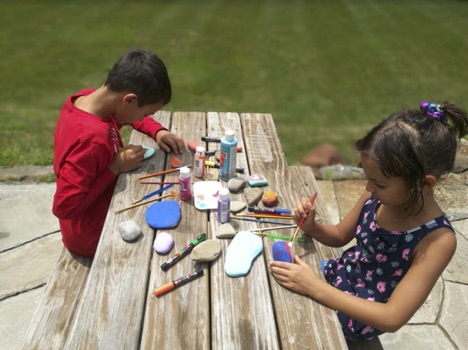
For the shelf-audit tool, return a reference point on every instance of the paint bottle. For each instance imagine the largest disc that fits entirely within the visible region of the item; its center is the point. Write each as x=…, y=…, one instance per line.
x=199, y=162
x=185, y=183
x=224, y=206
x=228, y=155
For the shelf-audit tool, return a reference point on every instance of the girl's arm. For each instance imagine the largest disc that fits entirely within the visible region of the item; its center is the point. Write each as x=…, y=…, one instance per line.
x=330, y=235
x=430, y=258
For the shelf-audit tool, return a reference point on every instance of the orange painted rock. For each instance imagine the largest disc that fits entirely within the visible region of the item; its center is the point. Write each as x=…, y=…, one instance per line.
x=176, y=163
x=270, y=198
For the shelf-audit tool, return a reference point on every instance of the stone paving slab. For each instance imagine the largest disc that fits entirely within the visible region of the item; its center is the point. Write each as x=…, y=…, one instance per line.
x=15, y=315
x=415, y=337
x=29, y=265
x=454, y=315
x=25, y=213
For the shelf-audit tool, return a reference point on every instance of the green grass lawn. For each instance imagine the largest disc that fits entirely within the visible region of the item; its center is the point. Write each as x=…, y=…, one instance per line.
x=326, y=70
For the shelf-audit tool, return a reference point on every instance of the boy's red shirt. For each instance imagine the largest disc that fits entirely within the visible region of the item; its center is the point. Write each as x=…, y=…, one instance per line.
x=84, y=145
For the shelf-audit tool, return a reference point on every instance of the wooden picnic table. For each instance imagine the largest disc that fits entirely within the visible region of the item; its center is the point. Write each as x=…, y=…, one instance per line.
x=118, y=310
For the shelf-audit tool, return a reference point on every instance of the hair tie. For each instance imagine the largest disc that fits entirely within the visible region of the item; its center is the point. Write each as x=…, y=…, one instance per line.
x=433, y=110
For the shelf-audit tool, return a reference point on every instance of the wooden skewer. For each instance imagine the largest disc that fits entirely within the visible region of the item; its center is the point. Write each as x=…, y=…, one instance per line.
x=301, y=222
x=118, y=211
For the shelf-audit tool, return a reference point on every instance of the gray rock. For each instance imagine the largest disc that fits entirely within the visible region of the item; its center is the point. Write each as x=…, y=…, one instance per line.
x=236, y=184
x=253, y=195
x=206, y=251
x=130, y=230
x=226, y=231
x=237, y=206
x=461, y=159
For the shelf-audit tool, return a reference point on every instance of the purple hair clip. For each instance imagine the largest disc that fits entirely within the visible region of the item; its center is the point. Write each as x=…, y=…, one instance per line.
x=432, y=110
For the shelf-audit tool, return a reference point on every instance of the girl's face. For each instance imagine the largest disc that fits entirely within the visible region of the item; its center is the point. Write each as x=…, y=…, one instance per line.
x=390, y=191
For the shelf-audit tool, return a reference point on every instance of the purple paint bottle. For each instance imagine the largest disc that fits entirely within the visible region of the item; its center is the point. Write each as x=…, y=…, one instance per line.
x=224, y=206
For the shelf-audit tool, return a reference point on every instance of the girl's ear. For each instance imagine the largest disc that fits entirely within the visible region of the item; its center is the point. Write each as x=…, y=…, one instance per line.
x=429, y=182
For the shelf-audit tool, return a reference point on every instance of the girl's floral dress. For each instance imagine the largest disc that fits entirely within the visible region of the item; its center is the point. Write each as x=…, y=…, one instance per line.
x=376, y=264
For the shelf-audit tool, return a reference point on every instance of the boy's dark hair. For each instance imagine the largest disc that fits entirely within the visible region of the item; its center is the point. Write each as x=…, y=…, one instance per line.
x=413, y=143
x=142, y=73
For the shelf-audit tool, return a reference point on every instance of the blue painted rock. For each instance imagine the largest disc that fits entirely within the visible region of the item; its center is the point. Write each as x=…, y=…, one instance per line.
x=282, y=252
x=163, y=215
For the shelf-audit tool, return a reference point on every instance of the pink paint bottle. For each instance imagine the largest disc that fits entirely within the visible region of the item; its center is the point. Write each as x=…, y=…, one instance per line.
x=185, y=183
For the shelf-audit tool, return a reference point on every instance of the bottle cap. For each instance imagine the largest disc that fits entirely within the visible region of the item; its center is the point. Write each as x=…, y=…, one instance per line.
x=200, y=150
x=185, y=172
x=224, y=194
x=229, y=134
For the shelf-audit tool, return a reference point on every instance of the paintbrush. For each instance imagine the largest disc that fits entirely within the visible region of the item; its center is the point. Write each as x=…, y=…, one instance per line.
x=173, y=193
x=163, y=172
x=258, y=221
x=266, y=216
x=280, y=237
x=155, y=193
x=312, y=200
x=260, y=229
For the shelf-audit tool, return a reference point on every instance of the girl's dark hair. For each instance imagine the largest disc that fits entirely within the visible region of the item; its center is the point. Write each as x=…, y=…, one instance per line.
x=142, y=73
x=413, y=143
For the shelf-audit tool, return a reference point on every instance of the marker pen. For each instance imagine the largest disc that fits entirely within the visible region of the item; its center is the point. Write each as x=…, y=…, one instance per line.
x=186, y=250
x=178, y=282
x=210, y=139
x=255, y=209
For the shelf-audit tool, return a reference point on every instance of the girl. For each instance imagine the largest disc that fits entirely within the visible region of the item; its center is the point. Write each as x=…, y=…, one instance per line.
x=403, y=239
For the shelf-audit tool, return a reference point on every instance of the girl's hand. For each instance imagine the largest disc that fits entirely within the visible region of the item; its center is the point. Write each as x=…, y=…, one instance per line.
x=304, y=209
x=299, y=277
x=168, y=142
x=127, y=159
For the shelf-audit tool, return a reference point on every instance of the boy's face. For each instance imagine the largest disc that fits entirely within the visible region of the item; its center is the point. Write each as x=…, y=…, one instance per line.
x=130, y=112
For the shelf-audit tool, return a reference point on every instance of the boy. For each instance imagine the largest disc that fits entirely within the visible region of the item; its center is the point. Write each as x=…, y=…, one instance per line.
x=88, y=151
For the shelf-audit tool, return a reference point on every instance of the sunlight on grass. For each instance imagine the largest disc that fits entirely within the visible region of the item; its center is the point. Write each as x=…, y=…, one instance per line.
x=326, y=71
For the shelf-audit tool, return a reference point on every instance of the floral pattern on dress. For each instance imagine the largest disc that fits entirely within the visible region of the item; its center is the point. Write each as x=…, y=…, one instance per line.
x=374, y=266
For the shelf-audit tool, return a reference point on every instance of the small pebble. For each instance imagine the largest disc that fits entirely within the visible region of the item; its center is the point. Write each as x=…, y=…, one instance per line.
x=253, y=195
x=226, y=231
x=236, y=184
x=237, y=206
x=206, y=251
x=130, y=231
x=163, y=243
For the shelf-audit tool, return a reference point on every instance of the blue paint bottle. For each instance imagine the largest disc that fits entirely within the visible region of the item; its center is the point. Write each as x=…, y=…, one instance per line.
x=228, y=155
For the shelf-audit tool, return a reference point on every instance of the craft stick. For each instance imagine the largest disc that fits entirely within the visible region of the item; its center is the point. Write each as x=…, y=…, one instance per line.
x=163, y=172
x=272, y=228
x=259, y=221
x=312, y=200
x=118, y=211
x=159, y=183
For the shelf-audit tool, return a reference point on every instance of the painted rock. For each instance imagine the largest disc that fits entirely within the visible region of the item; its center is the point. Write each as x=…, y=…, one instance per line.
x=282, y=252
x=130, y=231
x=270, y=198
x=163, y=243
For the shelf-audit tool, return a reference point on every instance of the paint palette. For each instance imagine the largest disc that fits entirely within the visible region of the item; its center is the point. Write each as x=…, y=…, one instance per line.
x=205, y=194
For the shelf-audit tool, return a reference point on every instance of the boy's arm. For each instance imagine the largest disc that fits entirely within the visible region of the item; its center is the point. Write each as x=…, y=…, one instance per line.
x=83, y=177
x=165, y=139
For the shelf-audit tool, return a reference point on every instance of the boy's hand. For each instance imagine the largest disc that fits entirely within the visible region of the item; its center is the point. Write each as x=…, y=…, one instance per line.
x=127, y=159
x=168, y=142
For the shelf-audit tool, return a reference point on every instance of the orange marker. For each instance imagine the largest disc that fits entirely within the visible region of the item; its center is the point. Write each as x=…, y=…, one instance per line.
x=178, y=282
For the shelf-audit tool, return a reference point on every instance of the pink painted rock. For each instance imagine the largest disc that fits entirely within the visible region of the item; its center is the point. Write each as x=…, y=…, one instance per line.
x=163, y=243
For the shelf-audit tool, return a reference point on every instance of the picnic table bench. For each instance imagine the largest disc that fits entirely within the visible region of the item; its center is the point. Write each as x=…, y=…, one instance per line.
x=110, y=303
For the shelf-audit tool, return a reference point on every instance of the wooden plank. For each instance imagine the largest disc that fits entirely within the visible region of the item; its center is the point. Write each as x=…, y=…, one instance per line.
x=110, y=312
x=242, y=314
x=302, y=323
x=180, y=319
x=50, y=325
